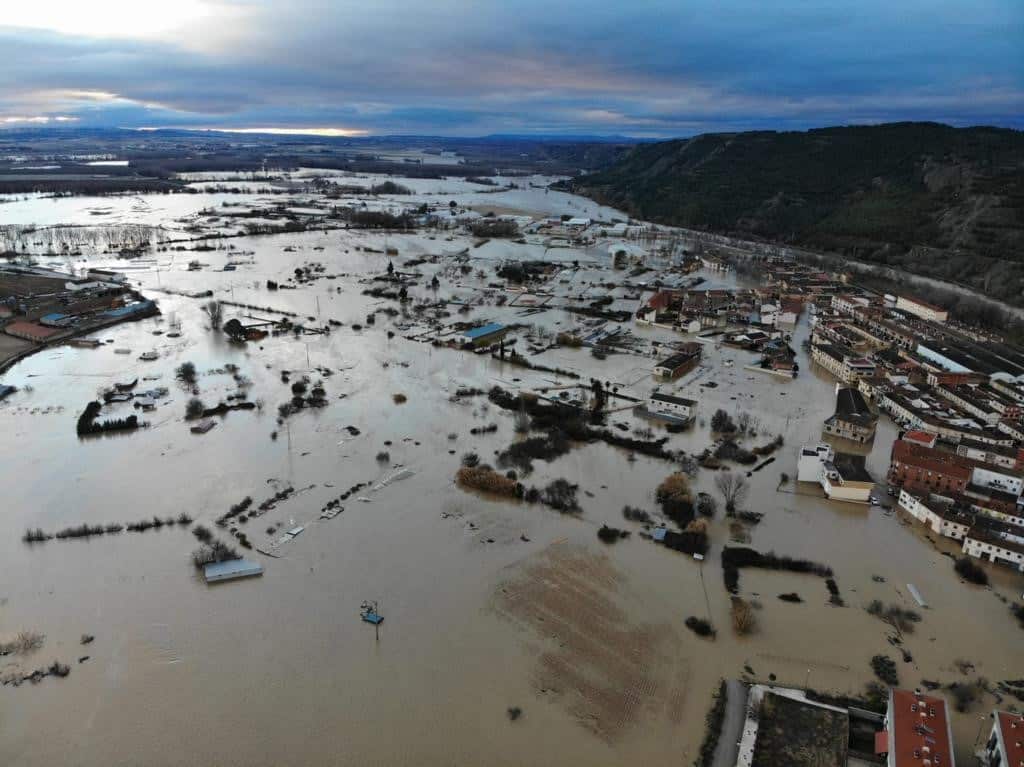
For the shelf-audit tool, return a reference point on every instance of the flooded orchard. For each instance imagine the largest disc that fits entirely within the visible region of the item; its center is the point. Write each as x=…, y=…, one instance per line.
x=512, y=633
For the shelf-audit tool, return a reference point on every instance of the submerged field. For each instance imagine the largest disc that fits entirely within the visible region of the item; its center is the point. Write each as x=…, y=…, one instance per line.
x=490, y=604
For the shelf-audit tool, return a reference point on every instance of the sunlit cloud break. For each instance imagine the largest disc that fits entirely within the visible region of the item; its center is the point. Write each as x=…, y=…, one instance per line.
x=661, y=67
x=37, y=119
x=336, y=132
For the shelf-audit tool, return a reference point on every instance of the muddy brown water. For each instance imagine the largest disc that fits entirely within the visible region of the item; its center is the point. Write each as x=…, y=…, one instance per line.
x=279, y=669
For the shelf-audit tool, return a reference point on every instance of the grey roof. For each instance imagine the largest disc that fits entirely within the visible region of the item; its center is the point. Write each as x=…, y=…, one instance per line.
x=658, y=397
x=852, y=408
x=851, y=467
x=232, y=568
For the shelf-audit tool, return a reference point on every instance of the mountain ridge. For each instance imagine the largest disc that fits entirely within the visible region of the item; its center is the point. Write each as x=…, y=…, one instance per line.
x=927, y=198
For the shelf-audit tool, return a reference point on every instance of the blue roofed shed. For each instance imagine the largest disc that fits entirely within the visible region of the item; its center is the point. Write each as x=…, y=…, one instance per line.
x=56, y=320
x=485, y=334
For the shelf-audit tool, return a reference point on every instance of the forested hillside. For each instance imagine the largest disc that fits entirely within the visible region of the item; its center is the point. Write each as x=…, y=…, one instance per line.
x=931, y=199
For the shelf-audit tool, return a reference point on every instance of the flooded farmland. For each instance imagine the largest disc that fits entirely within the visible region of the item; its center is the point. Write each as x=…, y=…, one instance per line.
x=491, y=604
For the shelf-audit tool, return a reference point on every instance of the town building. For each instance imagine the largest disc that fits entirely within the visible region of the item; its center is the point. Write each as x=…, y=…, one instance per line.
x=853, y=419
x=940, y=514
x=983, y=544
x=917, y=731
x=681, y=363
x=106, y=275
x=841, y=362
x=842, y=476
x=922, y=309
x=485, y=334
x=30, y=331
x=672, y=408
x=1005, y=744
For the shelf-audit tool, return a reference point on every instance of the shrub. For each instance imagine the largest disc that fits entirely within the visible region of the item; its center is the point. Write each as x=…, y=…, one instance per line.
x=713, y=727
x=384, y=456
x=706, y=505
x=560, y=494
x=547, y=448
x=636, y=515
x=743, y=619
x=722, y=423
x=203, y=533
x=970, y=571
x=674, y=496
x=470, y=460
x=488, y=480
x=791, y=597
x=885, y=669
x=214, y=551
x=195, y=408
x=700, y=627
x=734, y=558
x=399, y=399
x=186, y=372
x=611, y=534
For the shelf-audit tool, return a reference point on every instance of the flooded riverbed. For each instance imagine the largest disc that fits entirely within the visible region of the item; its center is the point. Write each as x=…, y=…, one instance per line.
x=488, y=604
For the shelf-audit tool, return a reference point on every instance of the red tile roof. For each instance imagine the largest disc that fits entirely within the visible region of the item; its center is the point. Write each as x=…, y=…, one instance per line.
x=919, y=732
x=938, y=461
x=30, y=330
x=1011, y=726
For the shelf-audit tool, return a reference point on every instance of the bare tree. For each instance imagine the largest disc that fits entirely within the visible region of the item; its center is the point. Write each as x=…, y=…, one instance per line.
x=215, y=311
x=733, y=487
x=743, y=421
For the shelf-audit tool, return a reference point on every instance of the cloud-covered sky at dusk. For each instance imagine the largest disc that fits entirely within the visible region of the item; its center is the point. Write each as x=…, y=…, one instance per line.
x=454, y=67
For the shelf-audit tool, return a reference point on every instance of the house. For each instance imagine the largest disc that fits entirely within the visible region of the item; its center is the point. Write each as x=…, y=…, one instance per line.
x=485, y=334
x=842, y=362
x=917, y=731
x=56, y=320
x=810, y=461
x=672, y=408
x=921, y=469
x=30, y=331
x=680, y=363
x=845, y=478
x=1005, y=744
x=940, y=514
x=922, y=309
x=853, y=419
x=842, y=476
x=106, y=275
x=983, y=544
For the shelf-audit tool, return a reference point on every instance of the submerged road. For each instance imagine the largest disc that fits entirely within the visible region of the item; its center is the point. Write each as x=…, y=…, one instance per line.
x=732, y=724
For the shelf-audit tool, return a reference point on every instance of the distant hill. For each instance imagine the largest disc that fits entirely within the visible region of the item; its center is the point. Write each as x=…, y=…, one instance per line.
x=939, y=201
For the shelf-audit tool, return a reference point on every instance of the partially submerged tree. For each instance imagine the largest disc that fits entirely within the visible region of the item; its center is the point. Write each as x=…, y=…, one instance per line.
x=215, y=311
x=733, y=487
x=186, y=372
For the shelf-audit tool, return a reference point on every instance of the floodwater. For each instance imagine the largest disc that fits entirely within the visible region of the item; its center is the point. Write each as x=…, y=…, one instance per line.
x=488, y=604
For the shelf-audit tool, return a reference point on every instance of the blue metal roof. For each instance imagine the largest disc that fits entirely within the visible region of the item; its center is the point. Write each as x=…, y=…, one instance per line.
x=53, y=317
x=130, y=309
x=483, y=330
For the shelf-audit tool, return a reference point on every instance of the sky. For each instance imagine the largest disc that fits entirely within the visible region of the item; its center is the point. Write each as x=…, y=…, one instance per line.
x=479, y=67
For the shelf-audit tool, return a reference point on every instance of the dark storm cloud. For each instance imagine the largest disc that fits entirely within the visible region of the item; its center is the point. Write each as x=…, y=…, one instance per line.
x=655, y=68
